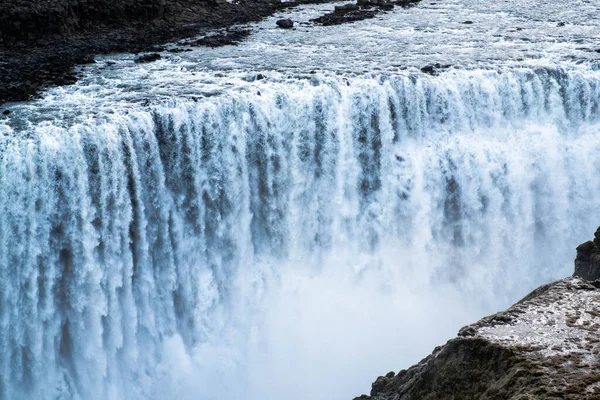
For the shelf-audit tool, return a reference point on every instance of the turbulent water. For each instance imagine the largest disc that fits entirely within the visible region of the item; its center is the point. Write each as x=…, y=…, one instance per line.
x=183, y=230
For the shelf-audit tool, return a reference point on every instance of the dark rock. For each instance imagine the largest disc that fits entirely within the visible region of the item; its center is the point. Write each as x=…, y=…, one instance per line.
x=87, y=59
x=468, y=22
x=433, y=69
x=178, y=50
x=343, y=16
x=363, y=9
x=379, y=385
x=428, y=69
x=587, y=261
x=227, y=38
x=6, y=112
x=560, y=24
x=285, y=23
x=260, y=77
x=390, y=374
x=346, y=7
x=148, y=58
x=597, y=237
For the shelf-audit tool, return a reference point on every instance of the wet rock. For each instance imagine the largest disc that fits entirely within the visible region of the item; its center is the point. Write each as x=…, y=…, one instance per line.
x=148, y=58
x=433, y=69
x=285, y=23
x=227, y=38
x=363, y=9
x=468, y=22
x=346, y=7
x=6, y=112
x=177, y=50
x=428, y=69
x=343, y=16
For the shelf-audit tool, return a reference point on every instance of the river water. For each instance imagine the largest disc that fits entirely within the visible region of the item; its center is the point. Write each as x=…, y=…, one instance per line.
x=291, y=217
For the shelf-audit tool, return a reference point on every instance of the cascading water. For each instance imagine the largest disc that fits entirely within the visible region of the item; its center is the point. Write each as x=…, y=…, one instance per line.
x=169, y=231
x=174, y=225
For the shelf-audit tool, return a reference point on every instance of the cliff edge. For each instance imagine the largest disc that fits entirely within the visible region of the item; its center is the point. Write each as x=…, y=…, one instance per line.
x=546, y=346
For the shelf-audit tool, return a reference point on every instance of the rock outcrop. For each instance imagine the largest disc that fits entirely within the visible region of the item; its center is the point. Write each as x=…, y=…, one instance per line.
x=363, y=9
x=546, y=346
x=587, y=262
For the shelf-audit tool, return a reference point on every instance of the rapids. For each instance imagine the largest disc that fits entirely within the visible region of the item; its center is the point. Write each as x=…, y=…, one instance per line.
x=185, y=230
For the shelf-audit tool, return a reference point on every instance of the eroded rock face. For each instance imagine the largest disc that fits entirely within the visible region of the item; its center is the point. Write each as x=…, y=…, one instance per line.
x=587, y=262
x=545, y=346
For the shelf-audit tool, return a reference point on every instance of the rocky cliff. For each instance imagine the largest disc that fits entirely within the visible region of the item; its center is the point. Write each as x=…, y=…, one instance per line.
x=546, y=346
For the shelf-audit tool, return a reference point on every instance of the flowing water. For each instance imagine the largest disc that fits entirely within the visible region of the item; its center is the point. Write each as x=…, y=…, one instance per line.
x=190, y=229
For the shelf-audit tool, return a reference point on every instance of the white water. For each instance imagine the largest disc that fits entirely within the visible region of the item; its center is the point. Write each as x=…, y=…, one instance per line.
x=291, y=237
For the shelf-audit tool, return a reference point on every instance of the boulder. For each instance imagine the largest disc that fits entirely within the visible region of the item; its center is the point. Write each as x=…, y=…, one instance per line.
x=285, y=23
x=428, y=69
x=147, y=58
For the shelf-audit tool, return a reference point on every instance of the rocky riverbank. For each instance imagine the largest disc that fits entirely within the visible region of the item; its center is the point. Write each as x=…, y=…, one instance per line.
x=546, y=346
x=41, y=41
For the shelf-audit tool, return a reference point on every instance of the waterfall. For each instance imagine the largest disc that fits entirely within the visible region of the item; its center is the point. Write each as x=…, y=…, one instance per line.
x=140, y=242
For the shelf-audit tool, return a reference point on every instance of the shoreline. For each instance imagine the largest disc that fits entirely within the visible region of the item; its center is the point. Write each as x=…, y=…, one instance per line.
x=29, y=66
